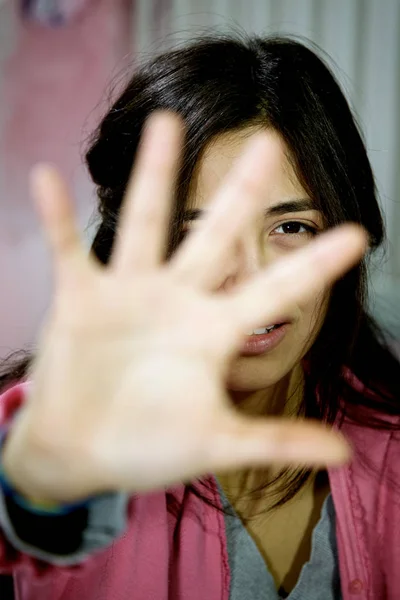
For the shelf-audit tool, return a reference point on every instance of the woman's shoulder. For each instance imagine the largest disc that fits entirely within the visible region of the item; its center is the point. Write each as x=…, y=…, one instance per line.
x=12, y=398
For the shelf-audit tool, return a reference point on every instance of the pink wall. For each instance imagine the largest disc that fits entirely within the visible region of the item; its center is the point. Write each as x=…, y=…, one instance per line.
x=51, y=83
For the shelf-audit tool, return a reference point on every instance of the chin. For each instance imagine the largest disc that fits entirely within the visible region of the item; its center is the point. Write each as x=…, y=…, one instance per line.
x=252, y=373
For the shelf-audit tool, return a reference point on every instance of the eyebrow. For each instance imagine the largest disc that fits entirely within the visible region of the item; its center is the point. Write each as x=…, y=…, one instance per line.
x=300, y=205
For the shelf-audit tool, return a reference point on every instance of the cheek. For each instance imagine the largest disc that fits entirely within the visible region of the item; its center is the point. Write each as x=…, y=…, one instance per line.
x=313, y=313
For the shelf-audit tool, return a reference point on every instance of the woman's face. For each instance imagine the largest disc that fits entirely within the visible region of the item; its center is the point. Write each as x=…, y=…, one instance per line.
x=283, y=230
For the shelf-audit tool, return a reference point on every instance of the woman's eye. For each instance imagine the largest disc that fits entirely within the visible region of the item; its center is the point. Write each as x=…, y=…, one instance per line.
x=182, y=234
x=291, y=232
x=294, y=228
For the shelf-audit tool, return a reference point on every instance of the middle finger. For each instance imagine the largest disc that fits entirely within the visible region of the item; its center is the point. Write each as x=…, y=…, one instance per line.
x=201, y=255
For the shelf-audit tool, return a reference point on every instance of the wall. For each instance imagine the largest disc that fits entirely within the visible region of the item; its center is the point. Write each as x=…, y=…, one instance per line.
x=53, y=89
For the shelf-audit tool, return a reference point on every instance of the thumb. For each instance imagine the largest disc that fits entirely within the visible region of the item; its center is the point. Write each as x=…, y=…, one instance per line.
x=244, y=442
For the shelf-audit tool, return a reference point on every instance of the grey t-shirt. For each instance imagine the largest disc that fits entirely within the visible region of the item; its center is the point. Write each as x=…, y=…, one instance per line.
x=250, y=578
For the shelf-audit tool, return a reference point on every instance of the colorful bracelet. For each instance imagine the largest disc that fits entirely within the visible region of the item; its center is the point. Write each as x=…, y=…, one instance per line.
x=39, y=508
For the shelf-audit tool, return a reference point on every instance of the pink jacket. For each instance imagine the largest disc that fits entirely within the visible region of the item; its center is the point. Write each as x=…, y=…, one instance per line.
x=160, y=558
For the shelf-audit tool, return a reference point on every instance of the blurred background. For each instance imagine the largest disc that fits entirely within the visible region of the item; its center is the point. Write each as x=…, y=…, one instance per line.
x=62, y=61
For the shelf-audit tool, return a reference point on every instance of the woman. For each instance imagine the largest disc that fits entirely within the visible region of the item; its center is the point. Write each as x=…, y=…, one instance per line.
x=160, y=390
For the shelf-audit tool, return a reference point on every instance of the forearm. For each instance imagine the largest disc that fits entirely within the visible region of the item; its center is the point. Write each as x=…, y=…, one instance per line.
x=68, y=539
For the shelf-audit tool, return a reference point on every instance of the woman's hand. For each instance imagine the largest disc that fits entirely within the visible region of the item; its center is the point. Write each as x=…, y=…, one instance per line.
x=129, y=380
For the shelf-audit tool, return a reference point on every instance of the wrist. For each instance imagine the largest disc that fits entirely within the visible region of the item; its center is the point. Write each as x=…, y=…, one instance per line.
x=32, y=501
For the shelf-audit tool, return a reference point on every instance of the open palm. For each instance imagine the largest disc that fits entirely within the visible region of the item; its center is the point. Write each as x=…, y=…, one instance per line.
x=128, y=384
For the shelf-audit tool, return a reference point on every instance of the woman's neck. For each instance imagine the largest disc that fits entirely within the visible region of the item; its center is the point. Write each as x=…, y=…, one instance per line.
x=281, y=399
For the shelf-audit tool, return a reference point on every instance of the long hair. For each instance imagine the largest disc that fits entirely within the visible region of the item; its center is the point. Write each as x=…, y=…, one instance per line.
x=225, y=83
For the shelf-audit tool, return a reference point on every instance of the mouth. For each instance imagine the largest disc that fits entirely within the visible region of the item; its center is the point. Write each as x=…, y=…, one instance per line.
x=267, y=329
x=264, y=339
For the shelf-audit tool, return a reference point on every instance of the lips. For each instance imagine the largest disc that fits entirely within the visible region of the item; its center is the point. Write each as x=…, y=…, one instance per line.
x=263, y=343
x=280, y=321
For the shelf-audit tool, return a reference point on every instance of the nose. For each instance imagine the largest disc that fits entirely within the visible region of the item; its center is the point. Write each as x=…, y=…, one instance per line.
x=248, y=258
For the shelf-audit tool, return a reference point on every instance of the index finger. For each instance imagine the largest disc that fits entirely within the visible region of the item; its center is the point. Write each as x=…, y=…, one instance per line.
x=298, y=277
